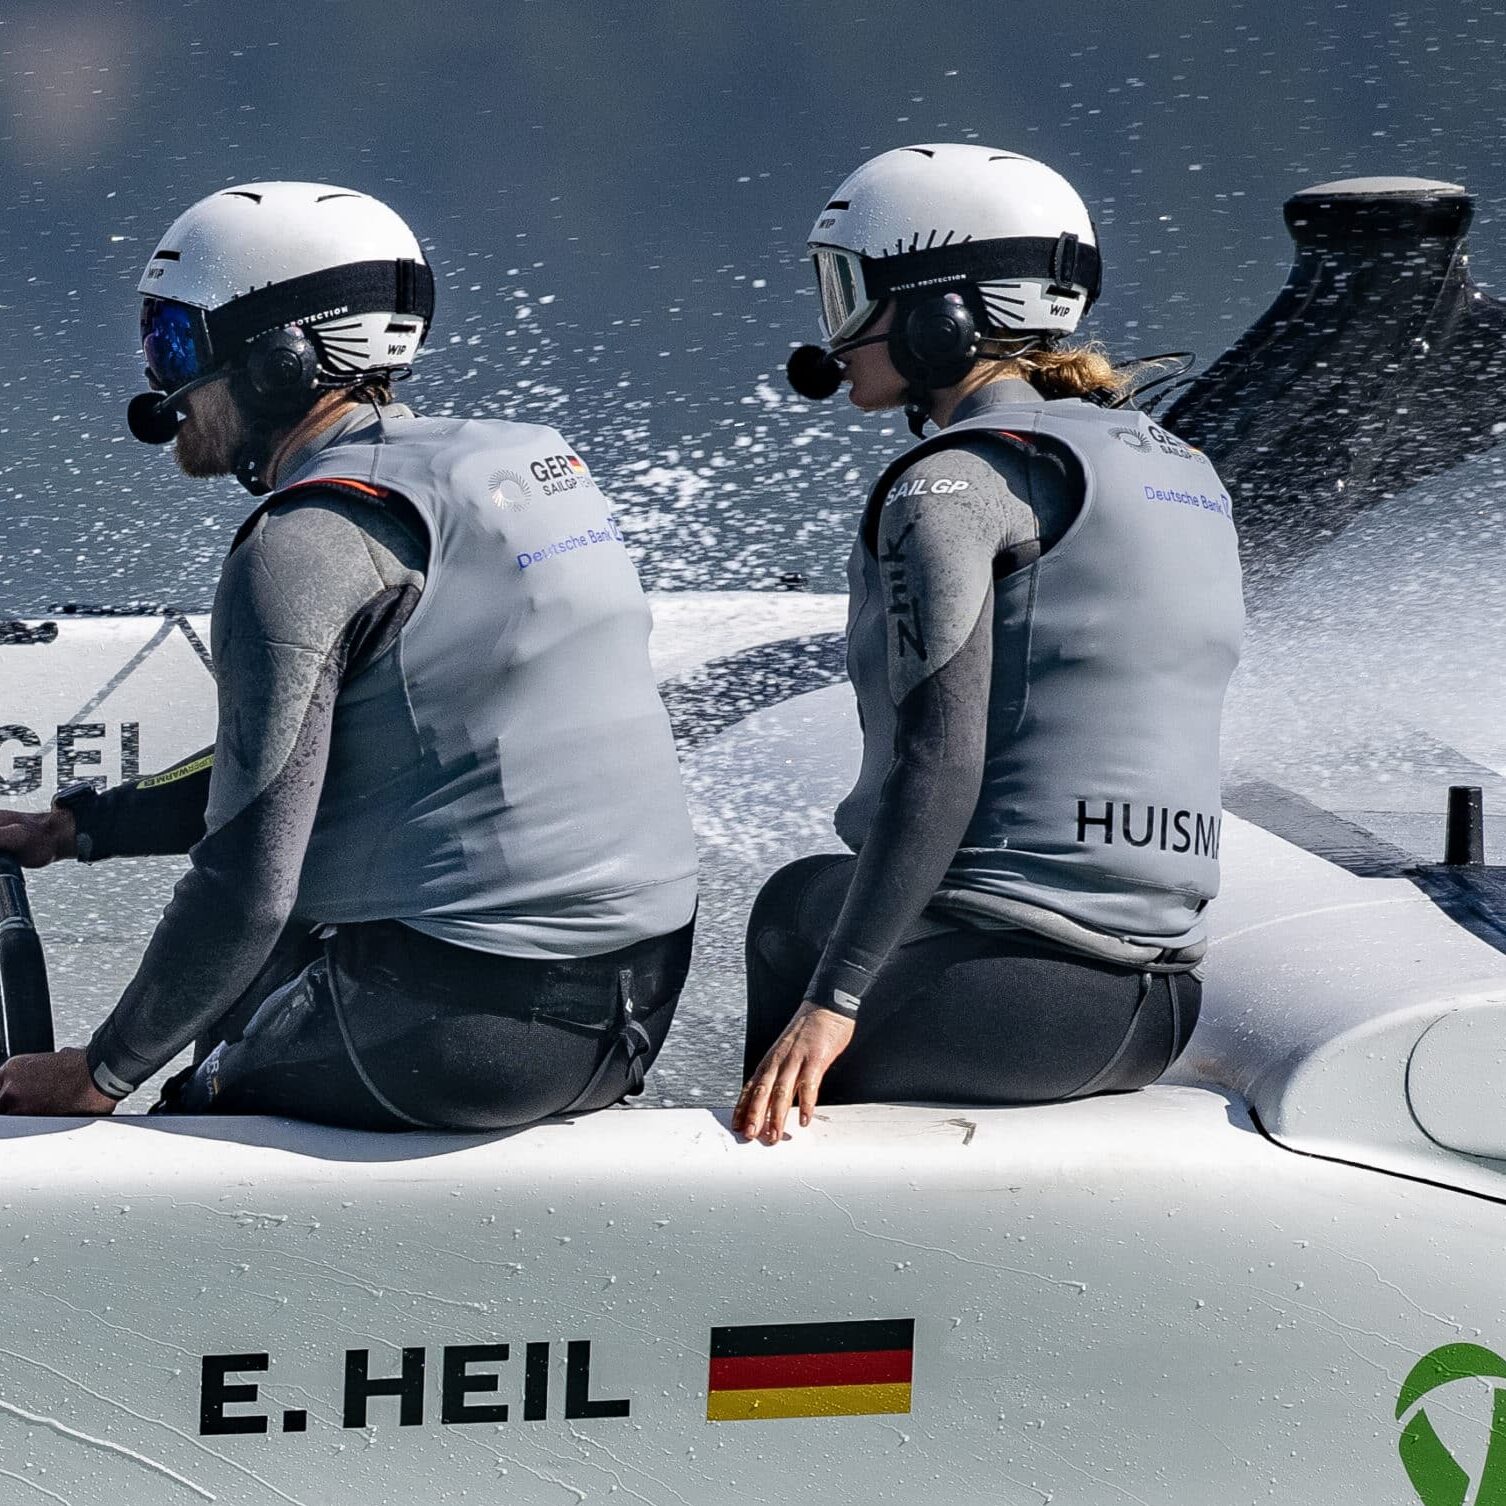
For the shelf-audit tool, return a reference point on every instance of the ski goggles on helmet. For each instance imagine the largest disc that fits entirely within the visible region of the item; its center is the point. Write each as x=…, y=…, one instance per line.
x=845, y=304
x=853, y=288
x=175, y=341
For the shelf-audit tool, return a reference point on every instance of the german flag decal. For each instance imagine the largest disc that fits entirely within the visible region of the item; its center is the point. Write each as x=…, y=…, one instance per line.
x=810, y=1370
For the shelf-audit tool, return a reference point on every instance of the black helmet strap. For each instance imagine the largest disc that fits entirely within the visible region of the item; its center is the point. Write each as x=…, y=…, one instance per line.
x=361, y=287
x=1065, y=261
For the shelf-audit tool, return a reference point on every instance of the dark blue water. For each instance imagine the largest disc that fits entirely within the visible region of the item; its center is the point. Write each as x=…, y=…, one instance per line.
x=616, y=198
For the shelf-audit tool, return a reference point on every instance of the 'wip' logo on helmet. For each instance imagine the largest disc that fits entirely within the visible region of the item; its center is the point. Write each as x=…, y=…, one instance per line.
x=1436, y=1475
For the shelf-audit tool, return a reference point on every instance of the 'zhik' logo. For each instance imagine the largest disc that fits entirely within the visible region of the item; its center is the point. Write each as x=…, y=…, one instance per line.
x=1437, y=1477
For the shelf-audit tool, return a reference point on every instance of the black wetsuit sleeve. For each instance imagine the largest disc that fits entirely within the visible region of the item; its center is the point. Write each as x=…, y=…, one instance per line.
x=951, y=523
x=158, y=815
x=315, y=592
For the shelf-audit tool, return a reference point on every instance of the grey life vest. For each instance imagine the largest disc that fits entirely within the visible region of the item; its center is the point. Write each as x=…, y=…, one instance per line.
x=504, y=778
x=1099, y=814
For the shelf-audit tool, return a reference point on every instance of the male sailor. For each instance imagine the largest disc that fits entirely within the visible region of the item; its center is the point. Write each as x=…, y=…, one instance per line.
x=441, y=869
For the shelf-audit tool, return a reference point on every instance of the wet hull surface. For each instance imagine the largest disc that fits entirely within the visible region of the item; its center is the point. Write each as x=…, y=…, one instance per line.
x=1212, y=1290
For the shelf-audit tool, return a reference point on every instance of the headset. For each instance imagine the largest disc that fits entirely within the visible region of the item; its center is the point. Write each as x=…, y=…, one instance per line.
x=276, y=376
x=934, y=342
x=269, y=355
x=278, y=373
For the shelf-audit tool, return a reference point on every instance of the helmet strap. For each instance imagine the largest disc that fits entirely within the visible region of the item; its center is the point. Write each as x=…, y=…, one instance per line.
x=917, y=410
x=264, y=428
x=1007, y=347
x=252, y=457
x=272, y=415
x=265, y=433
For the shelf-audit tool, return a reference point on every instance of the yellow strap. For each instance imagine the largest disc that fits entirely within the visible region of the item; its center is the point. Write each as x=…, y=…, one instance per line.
x=182, y=771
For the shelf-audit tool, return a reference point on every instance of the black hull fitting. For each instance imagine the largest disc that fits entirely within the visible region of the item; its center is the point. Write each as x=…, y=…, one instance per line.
x=1379, y=365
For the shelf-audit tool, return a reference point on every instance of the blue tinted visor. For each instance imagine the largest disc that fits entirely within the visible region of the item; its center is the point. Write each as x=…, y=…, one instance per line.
x=175, y=341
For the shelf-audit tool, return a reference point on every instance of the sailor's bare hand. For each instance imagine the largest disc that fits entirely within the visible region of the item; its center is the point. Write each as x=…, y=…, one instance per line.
x=37, y=838
x=51, y=1083
x=792, y=1069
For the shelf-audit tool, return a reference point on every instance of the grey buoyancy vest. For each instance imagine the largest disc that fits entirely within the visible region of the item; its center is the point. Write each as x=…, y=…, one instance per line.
x=505, y=777
x=1100, y=798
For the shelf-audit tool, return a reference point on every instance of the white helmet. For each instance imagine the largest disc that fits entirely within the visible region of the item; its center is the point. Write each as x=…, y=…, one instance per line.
x=339, y=266
x=924, y=220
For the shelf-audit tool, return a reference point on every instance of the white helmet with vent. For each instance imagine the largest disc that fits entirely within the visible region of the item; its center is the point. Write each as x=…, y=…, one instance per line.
x=923, y=219
x=339, y=264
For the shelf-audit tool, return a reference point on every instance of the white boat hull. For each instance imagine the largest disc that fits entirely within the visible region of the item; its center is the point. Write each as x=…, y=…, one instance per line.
x=1138, y=1299
x=1211, y=1291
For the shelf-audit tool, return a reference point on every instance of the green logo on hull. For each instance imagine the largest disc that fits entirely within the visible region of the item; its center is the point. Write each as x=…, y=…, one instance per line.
x=1437, y=1477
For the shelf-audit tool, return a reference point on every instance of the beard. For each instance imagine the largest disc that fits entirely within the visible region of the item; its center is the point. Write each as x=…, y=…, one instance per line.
x=212, y=433
x=199, y=454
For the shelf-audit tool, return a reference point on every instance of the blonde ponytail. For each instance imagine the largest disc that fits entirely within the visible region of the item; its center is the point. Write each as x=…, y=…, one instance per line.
x=1074, y=371
x=1070, y=371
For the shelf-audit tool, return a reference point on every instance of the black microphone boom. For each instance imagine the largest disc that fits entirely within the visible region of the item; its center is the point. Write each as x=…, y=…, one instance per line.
x=813, y=372
x=154, y=417
x=151, y=419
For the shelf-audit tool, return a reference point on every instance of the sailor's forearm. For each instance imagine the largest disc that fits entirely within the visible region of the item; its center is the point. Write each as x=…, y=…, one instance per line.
x=158, y=815
x=217, y=932
x=923, y=814
x=229, y=909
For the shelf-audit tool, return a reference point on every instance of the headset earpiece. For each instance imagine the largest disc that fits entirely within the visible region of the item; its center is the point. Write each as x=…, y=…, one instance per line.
x=934, y=341
x=279, y=372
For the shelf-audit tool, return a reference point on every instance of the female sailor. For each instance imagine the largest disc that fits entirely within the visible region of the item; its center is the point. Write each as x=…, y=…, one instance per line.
x=1045, y=613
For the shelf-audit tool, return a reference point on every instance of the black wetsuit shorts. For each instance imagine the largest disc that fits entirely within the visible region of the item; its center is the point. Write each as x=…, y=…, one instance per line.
x=963, y=1015
x=378, y=1026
